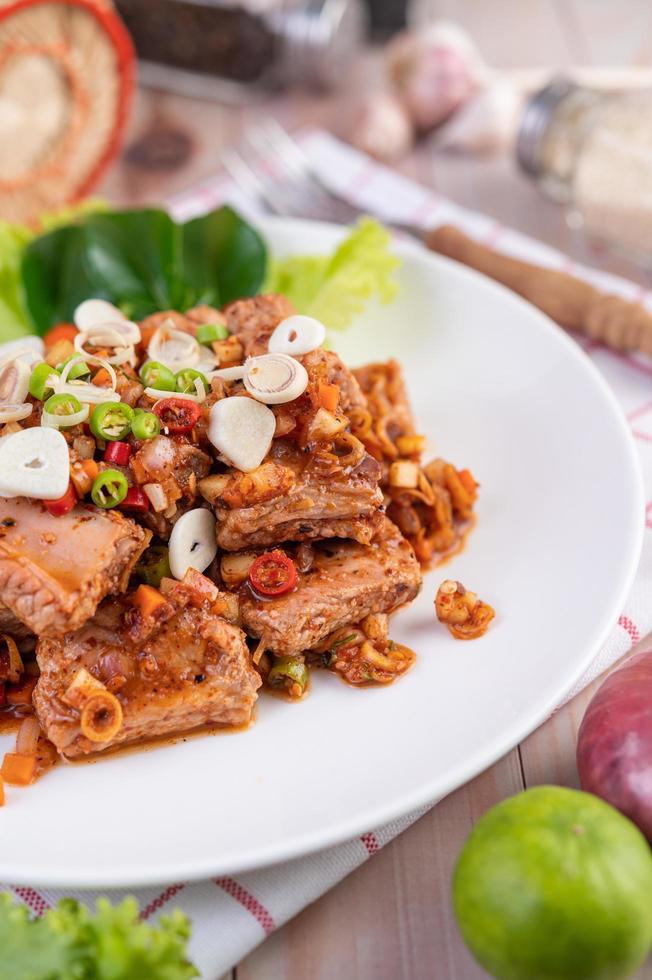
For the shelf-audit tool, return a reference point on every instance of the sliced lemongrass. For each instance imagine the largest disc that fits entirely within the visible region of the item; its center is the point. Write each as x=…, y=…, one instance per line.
x=275, y=378
x=15, y=413
x=106, y=336
x=297, y=335
x=14, y=382
x=28, y=349
x=242, y=430
x=228, y=374
x=88, y=394
x=206, y=362
x=50, y=420
x=34, y=463
x=92, y=311
x=192, y=543
x=161, y=396
x=174, y=348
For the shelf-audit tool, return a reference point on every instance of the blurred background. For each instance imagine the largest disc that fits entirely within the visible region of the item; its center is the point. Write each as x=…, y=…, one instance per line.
x=493, y=103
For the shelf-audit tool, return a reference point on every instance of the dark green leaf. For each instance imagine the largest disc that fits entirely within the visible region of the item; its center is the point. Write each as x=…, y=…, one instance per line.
x=224, y=258
x=55, y=276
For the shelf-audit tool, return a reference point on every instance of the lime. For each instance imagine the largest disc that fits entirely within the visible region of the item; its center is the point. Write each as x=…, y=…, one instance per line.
x=554, y=884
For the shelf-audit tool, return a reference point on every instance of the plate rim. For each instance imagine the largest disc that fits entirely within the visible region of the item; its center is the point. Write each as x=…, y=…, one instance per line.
x=428, y=793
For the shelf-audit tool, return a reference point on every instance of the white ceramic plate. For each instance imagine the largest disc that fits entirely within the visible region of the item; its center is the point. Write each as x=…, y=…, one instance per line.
x=500, y=389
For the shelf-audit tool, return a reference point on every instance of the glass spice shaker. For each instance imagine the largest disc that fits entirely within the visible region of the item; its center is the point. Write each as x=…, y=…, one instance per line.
x=593, y=152
x=237, y=48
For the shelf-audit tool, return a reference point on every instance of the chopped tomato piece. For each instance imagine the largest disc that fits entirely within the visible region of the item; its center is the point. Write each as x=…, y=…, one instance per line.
x=273, y=574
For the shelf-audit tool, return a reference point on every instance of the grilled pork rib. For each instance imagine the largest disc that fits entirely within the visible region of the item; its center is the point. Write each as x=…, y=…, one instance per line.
x=347, y=581
x=192, y=669
x=54, y=571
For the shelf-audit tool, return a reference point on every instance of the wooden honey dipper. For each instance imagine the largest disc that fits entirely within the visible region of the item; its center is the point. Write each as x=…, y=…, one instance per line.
x=572, y=303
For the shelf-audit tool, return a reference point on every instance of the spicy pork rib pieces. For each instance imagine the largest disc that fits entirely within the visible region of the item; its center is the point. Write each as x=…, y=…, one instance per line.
x=123, y=679
x=54, y=571
x=346, y=582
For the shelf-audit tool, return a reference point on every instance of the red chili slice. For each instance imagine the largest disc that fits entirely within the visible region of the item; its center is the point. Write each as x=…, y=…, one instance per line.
x=135, y=500
x=117, y=453
x=273, y=574
x=64, y=504
x=177, y=415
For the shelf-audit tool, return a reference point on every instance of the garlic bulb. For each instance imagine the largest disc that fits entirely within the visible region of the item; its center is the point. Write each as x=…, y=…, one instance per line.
x=383, y=127
x=297, y=335
x=34, y=463
x=486, y=123
x=275, y=378
x=193, y=543
x=242, y=430
x=435, y=71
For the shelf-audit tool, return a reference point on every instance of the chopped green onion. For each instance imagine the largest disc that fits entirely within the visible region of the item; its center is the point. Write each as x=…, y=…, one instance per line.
x=38, y=381
x=288, y=671
x=145, y=425
x=153, y=374
x=344, y=641
x=185, y=380
x=111, y=420
x=154, y=566
x=109, y=489
x=208, y=332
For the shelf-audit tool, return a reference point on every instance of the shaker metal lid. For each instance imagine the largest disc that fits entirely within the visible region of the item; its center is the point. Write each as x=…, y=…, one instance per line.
x=319, y=39
x=537, y=114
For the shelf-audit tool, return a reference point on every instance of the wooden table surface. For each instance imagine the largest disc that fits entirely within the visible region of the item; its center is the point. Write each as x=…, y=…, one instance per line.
x=392, y=918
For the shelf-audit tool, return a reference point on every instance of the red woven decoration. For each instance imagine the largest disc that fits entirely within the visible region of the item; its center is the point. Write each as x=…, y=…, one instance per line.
x=67, y=72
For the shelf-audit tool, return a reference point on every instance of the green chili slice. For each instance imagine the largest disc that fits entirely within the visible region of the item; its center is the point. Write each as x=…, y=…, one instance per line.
x=185, y=380
x=288, y=672
x=78, y=370
x=153, y=374
x=38, y=381
x=145, y=425
x=109, y=489
x=208, y=332
x=154, y=566
x=62, y=405
x=111, y=420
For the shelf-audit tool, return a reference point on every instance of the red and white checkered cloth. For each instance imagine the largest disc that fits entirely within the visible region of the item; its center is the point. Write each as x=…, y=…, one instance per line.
x=231, y=915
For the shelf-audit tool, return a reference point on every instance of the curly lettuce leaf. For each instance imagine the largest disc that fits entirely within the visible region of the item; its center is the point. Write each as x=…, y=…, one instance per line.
x=335, y=288
x=111, y=944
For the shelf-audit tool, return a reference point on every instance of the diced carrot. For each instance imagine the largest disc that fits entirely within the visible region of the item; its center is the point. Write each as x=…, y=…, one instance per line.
x=62, y=331
x=467, y=480
x=102, y=378
x=2, y=792
x=18, y=770
x=328, y=396
x=82, y=474
x=21, y=693
x=147, y=599
x=59, y=351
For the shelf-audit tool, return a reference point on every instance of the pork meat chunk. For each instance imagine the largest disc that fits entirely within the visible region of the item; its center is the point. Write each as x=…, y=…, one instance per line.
x=54, y=571
x=170, y=676
x=312, y=505
x=346, y=582
x=254, y=320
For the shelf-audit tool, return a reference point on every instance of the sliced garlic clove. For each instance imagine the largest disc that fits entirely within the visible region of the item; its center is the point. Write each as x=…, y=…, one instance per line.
x=14, y=382
x=275, y=378
x=34, y=463
x=297, y=335
x=242, y=430
x=93, y=311
x=193, y=543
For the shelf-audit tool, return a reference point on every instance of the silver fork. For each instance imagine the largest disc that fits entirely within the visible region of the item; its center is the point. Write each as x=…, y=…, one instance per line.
x=272, y=168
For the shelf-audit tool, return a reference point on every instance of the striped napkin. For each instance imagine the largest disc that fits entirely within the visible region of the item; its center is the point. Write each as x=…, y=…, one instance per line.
x=233, y=914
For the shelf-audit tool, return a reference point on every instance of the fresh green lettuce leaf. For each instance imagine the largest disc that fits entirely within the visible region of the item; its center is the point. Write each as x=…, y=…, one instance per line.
x=112, y=944
x=335, y=288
